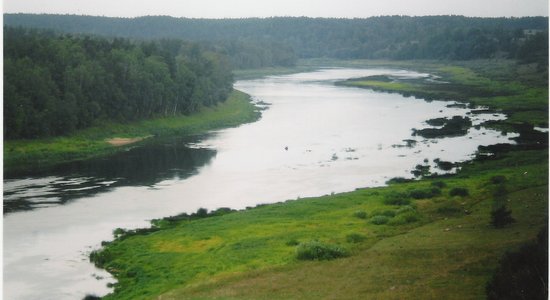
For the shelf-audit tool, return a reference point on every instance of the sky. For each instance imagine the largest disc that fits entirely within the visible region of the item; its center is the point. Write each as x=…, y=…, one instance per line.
x=269, y=8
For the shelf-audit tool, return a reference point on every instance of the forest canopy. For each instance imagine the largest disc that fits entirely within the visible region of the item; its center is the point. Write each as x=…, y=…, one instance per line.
x=255, y=42
x=55, y=84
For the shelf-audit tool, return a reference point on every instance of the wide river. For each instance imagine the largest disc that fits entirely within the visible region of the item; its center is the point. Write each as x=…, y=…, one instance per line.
x=314, y=138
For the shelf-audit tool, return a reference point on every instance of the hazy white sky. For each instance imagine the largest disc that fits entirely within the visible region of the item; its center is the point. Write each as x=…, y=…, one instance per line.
x=268, y=8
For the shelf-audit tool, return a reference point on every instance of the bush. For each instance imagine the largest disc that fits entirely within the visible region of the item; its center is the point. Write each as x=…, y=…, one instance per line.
x=355, y=238
x=397, y=180
x=421, y=170
x=445, y=165
x=404, y=209
x=118, y=232
x=100, y=257
x=315, y=250
x=361, y=214
x=379, y=220
x=501, y=217
x=450, y=208
x=424, y=193
x=201, y=213
x=388, y=213
x=498, y=179
x=395, y=198
x=221, y=211
x=439, y=184
x=500, y=194
x=459, y=191
x=404, y=218
x=292, y=242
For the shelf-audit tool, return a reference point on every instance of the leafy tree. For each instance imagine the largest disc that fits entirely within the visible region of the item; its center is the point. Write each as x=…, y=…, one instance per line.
x=56, y=83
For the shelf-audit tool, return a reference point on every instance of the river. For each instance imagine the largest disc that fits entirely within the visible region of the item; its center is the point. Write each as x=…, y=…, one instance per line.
x=314, y=138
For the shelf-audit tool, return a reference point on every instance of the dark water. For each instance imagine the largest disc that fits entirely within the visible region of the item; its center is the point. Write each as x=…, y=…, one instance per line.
x=146, y=165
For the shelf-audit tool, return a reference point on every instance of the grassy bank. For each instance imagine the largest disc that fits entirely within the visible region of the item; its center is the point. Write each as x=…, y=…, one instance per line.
x=520, y=91
x=271, y=71
x=21, y=155
x=434, y=244
x=429, y=239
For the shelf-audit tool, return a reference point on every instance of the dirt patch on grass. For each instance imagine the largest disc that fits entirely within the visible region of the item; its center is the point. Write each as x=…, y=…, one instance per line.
x=117, y=142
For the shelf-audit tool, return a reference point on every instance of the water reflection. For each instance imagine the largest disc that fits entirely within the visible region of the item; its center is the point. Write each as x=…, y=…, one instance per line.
x=147, y=165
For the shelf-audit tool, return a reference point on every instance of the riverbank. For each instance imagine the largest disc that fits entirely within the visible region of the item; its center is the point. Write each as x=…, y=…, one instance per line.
x=415, y=238
x=431, y=237
x=32, y=155
x=518, y=90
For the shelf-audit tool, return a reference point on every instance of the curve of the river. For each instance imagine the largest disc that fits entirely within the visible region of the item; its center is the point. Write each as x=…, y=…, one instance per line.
x=314, y=138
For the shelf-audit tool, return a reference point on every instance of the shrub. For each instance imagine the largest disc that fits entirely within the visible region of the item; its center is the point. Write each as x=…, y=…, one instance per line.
x=361, y=214
x=459, y=191
x=404, y=218
x=424, y=193
x=397, y=180
x=498, y=179
x=221, y=211
x=315, y=250
x=355, y=238
x=439, y=184
x=421, y=170
x=118, y=232
x=292, y=242
x=450, y=208
x=500, y=194
x=404, y=209
x=379, y=220
x=387, y=213
x=395, y=198
x=100, y=257
x=445, y=165
x=201, y=213
x=501, y=217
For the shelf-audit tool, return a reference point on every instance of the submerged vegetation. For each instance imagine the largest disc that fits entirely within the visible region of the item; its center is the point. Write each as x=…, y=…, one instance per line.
x=456, y=126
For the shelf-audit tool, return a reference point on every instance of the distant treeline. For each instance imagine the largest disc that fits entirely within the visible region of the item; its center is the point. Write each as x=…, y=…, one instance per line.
x=278, y=41
x=54, y=84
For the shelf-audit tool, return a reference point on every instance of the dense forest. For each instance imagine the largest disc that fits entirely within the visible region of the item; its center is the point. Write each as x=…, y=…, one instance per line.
x=65, y=72
x=54, y=84
x=257, y=42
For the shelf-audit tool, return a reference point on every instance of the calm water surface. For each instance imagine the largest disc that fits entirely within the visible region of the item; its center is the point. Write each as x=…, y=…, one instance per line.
x=314, y=138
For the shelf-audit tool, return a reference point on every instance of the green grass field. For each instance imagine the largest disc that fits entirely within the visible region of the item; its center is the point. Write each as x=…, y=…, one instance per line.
x=439, y=247
x=92, y=142
x=426, y=239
